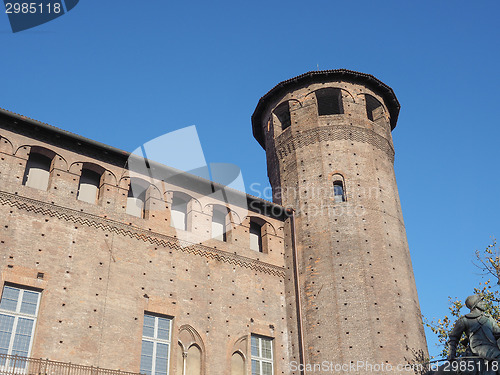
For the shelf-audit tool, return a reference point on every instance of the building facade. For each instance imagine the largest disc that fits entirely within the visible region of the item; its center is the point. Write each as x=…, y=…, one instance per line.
x=101, y=267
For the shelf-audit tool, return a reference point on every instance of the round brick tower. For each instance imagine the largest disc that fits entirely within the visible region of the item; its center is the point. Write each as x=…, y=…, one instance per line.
x=327, y=136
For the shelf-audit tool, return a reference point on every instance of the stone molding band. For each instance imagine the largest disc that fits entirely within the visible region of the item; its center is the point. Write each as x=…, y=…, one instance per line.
x=107, y=225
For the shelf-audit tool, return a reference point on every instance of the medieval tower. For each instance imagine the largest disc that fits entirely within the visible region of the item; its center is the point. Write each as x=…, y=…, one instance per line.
x=327, y=136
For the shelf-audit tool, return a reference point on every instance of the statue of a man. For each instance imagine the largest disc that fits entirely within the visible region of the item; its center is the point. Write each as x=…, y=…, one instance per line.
x=481, y=330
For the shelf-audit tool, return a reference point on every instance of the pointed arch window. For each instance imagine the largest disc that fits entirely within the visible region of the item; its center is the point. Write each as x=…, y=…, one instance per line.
x=237, y=364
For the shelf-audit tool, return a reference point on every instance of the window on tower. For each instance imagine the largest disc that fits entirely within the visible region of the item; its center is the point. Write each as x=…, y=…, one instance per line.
x=329, y=102
x=282, y=112
x=374, y=109
x=338, y=191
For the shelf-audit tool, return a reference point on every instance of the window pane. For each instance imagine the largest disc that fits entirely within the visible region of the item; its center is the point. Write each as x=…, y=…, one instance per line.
x=9, y=298
x=6, y=324
x=163, y=328
x=29, y=303
x=255, y=346
x=266, y=349
x=146, y=357
x=267, y=368
x=149, y=326
x=23, y=337
x=161, y=364
x=255, y=367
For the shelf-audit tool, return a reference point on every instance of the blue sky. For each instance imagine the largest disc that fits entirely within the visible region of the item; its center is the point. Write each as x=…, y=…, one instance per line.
x=124, y=72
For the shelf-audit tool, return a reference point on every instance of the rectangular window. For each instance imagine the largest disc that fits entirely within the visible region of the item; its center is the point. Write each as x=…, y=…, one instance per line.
x=262, y=355
x=155, y=352
x=18, y=312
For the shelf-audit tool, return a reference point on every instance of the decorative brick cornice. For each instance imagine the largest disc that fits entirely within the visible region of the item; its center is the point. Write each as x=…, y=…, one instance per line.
x=289, y=142
x=158, y=239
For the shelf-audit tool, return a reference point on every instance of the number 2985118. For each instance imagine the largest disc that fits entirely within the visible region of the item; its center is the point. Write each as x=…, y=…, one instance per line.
x=33, y=8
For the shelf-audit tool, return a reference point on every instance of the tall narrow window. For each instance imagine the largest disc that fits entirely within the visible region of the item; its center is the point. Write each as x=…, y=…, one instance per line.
x=262, y=355
x=338, y=191
x=88, y=190
x=255, y=235
x=219, y=223
x=155, y=354
x=282, y=112
x=178, y=212
x=374, y=109
x=18, y=312
x=136, y=198
x=37, y=171
x=329, y=101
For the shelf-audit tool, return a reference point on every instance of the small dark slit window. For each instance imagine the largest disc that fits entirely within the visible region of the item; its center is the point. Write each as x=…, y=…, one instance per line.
x=374, y=108
x=338, y=191
x=283, y=114
x=329, y=102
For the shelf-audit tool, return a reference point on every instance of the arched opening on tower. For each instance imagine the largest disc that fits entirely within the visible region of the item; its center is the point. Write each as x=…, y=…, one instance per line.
x=374, y=109
x=329, y=102
x=136, y=198
x=37, y=172
x=88, y=188
x=282, y=112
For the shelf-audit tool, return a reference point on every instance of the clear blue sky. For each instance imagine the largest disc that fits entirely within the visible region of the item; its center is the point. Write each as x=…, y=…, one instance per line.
x=123, y=72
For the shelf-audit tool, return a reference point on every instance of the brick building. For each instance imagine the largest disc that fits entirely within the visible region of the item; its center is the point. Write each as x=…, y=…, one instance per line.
x=103, y=268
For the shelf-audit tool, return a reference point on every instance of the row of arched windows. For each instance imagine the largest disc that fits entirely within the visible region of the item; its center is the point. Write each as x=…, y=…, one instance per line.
x=329, y=102
x=37, y=175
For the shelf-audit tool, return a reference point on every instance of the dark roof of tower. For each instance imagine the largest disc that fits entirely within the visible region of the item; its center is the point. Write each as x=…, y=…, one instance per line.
x=325, y=76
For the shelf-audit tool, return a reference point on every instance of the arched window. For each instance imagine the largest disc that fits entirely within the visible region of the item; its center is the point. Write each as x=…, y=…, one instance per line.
x=136, y=199
x=374, y=109
x=178, y=211
x=219, y=216
x=88, y=189
x=256, y=226
x=237, y=364
x=37, y=172
x=329, y=101
x=282, y=112
x=338, y=191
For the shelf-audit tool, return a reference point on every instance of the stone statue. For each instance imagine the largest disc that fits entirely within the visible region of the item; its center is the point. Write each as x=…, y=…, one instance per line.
x=481, y=330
